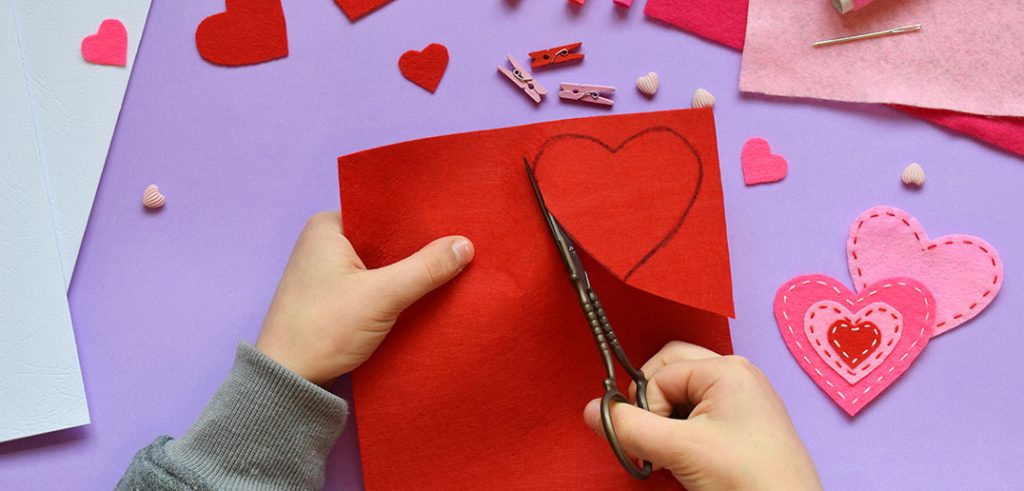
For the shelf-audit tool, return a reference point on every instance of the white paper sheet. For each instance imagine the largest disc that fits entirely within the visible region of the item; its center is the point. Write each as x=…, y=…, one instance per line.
x=40, y=381
x=75, y=103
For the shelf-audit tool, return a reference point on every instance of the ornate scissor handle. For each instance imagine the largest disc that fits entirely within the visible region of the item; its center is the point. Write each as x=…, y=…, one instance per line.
x=611, y=395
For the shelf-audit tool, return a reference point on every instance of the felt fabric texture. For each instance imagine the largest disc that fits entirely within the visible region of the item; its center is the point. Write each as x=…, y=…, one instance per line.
x=109, y=46
x=725, y=22
x=425, y=68
x=963, y=272
x=503, y=354
x=808, y=308
x=919, y=69
x=246, y=33
x=759, y=164
x=357, y=9
x=722, y=21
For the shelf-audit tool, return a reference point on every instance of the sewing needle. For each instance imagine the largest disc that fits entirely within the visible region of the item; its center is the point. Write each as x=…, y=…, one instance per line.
x=858, y=37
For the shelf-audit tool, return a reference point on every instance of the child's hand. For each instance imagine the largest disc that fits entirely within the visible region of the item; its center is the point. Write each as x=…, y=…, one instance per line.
x=738, y=435
x=330, y=313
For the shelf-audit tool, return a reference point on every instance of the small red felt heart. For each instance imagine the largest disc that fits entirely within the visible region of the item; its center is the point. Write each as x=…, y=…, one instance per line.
x=356, y=9
x=109, y=46
x=760, y=165
x=425, y=68
x=246, y=33
x=603, y=194
x=854, y=342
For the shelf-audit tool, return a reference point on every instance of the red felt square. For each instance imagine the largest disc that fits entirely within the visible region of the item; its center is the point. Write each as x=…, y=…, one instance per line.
x=482, y=384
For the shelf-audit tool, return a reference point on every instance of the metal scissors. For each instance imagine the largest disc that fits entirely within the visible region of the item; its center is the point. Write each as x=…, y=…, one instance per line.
x=607, y=343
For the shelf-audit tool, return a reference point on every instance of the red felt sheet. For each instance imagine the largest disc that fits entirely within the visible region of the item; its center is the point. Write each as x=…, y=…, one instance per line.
x=725, y=22
x=482, y=384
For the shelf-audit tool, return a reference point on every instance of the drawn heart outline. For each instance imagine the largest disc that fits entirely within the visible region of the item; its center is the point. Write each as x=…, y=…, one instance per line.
x=592, y=211
x=910, y=298
x=247, y=32
x=963, y=272
x=425, y=68
x=109, y=46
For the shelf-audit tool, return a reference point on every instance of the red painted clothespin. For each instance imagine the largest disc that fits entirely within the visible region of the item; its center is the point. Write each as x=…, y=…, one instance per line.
x=577, y=2
x=623, y=3
x=519, y=76
x=556, y=56
x=593, y=94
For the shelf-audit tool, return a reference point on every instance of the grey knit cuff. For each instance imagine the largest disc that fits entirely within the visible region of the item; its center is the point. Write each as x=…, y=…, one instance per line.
x=265, y=428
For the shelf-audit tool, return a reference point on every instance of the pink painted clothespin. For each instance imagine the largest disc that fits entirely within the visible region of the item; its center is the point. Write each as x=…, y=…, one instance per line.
x=593, y=94
x=623, y=3
x=519, y=76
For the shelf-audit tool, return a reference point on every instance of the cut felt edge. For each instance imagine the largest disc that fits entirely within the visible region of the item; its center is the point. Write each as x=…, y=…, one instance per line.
x=917, y=308
x=726, y=308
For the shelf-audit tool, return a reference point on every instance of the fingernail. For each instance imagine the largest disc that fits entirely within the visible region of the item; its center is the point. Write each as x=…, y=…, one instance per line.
x=463, y=250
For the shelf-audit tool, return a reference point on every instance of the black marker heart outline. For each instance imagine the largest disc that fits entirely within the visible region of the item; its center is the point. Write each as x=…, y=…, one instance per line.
x=654, y=129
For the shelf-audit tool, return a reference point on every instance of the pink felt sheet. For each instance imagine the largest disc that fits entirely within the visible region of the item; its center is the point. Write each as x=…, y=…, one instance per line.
x=967, y=57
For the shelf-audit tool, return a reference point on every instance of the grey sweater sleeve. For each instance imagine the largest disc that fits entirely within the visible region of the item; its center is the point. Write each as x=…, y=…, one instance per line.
x=266, y=428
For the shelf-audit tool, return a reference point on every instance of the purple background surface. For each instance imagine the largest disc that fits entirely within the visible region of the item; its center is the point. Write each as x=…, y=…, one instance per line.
x=159, y=300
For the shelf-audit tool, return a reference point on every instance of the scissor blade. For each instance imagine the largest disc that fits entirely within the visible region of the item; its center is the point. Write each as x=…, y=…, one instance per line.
x=562, y=241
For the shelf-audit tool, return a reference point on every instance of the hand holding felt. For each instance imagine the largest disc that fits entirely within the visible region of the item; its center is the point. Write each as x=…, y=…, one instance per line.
x=330, y=313
x=507, y=341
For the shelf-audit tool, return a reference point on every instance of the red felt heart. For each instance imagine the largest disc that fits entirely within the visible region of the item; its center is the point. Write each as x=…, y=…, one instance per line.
x=109, y=46
x=425, y=68
x=610, y=198
x=854, y=342
x=246, y=33
x=355, y=9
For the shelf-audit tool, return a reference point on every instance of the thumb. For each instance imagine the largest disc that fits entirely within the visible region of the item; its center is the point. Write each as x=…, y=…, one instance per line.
x=642, y=433
x=404, y=282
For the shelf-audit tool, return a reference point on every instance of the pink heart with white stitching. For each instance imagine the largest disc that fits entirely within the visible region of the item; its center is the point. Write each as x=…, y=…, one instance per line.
x=854, y=345
x=963, y=272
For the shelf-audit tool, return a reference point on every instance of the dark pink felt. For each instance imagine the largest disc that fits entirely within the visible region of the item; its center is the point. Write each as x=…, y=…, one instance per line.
x=725, y=22
x=109, y=46
x=798, y=306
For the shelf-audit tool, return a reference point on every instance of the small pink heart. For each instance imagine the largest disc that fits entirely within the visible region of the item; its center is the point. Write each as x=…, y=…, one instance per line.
x=760, y=165
x=109, y=46
x=854, y=345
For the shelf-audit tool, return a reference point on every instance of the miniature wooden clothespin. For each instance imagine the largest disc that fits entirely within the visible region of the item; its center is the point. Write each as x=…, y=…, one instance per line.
x=593, y=94
x=556, y=56
x=519, y=76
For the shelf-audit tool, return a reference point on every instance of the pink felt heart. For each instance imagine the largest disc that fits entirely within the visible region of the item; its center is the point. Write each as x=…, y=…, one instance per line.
x=809, y=308
x=109, y=46
x=760, y=165
x=963, y=272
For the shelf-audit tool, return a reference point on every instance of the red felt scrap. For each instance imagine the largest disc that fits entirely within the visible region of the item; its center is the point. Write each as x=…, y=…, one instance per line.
x=725, y=22
x=425, y=68
x=481, y=385
x=356, y=9
x=246, y=33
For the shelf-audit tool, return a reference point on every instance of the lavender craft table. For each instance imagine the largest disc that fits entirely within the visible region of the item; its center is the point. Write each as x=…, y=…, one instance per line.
x=245, y=155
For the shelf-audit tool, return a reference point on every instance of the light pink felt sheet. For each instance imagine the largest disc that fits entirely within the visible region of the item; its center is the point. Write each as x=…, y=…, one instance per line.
x=967, y=57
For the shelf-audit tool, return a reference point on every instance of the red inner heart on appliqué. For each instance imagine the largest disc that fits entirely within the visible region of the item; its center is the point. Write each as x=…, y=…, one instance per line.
x=612, y=199
x=854, y=342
